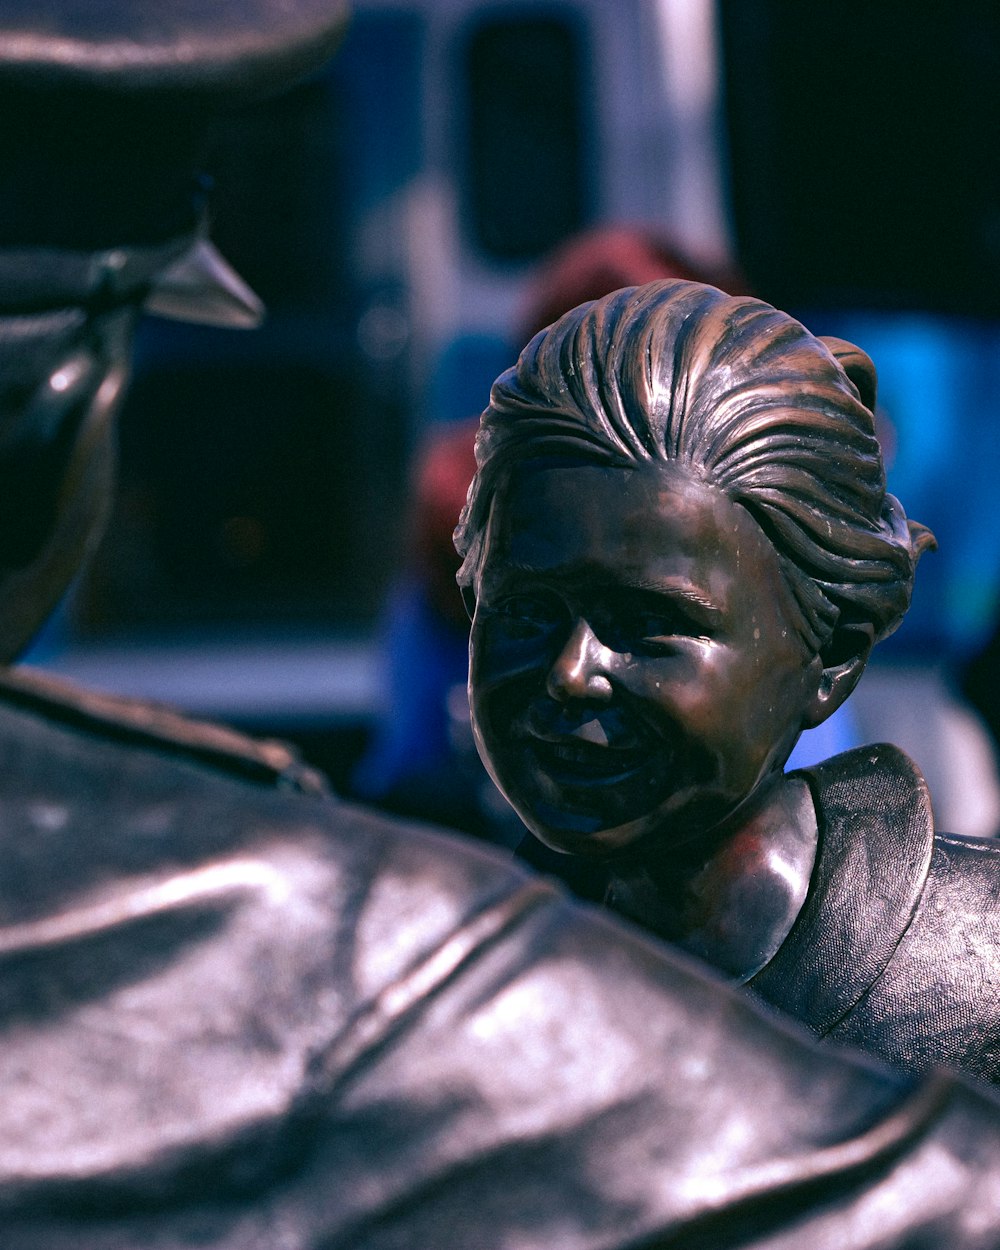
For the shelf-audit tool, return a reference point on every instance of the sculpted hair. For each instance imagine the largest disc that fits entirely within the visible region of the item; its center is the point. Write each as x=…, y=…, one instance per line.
x=748, y=400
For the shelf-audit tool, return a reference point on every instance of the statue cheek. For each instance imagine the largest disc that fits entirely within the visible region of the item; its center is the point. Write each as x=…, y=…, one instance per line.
x=495, y=660
x=685, y=681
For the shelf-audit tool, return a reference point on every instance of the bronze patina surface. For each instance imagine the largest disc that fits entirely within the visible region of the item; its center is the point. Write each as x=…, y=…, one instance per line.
x=679, y=551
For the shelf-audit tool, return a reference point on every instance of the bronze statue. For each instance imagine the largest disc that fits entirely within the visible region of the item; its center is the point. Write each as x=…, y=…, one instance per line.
x=679, y=551
x=240, y=1016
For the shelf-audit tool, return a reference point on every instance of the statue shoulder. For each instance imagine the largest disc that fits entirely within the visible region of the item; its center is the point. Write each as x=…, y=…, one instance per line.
x=157, y=727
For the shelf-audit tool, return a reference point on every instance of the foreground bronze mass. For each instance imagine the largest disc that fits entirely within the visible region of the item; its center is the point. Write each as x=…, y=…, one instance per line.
x=235, y=1017
x=239, y=1018
x=679, y=551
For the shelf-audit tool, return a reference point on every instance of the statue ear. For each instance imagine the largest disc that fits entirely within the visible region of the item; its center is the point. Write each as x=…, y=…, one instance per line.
x=843, y=660
x=857, y=365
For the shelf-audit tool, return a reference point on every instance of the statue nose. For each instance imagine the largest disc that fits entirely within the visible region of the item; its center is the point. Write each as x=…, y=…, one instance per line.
x=579, y=671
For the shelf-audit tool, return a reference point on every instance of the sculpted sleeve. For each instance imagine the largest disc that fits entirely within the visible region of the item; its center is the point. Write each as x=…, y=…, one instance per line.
x=546, y=1077
x=311, y=1028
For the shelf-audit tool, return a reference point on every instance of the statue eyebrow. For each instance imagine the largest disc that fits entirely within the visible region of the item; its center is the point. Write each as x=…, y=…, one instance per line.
x=508, y=570
x=680, y=591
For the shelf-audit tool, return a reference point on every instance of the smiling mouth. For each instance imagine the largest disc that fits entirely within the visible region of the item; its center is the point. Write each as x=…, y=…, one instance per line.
x=576, y=762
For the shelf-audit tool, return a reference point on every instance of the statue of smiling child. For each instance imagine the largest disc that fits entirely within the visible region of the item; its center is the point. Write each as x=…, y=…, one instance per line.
x=679, y=551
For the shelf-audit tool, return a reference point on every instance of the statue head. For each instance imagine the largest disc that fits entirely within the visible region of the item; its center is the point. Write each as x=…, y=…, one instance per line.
x=102, y=217
x=679, y=550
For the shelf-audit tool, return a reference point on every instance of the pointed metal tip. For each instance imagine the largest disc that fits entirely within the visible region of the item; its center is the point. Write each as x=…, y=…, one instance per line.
x=201, y=286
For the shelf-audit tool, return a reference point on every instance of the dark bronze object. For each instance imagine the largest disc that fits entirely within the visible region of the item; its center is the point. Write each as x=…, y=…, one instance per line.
x=235, y=1016
x=106, y=110
x=238, y=1015
x=680, y=551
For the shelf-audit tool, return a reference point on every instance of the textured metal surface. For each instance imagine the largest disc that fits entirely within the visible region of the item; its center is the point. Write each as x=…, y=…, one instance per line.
x=876, y=833
x=238, y=1017
x=898, y=947
x=680, y=550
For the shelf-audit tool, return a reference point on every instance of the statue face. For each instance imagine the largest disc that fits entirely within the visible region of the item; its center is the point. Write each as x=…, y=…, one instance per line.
x=635, y=673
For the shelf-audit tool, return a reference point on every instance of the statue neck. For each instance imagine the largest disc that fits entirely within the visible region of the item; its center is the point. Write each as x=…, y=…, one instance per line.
x=733, y=899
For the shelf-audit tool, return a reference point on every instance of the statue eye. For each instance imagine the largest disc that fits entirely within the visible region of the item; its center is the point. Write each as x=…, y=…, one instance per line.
x=658, y=626
x=651, y=629
x=639, y=630
x=528, y=615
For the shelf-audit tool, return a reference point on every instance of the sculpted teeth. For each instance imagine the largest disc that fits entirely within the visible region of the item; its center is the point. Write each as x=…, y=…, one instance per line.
x=587, y=755
x=569, y=754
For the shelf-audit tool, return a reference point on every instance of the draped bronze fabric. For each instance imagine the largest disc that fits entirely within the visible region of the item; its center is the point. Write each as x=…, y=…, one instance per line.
x=240, y=1016
x=897, y=949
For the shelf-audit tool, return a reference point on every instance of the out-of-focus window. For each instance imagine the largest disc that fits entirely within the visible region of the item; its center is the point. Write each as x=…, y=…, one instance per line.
x=524, y=173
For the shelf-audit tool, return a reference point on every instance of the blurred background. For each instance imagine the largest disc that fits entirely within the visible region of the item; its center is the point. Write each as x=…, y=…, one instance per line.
x=278, y=556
